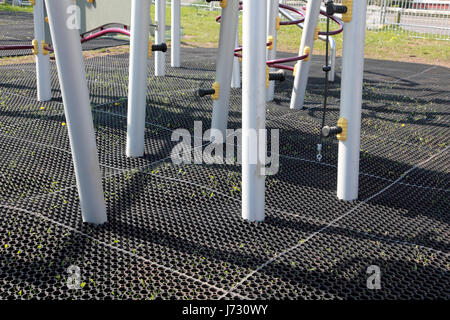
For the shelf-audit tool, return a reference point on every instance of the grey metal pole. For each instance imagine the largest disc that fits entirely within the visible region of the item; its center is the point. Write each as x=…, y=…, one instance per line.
x=351, y=100
x=302, y=71
x=138, y=73
x=74, y=90
x=44, y=92
x=272, y=33
x=160, y=37
x=236, y=79
x=175, y=34
x=253, y=109
x=224, y=69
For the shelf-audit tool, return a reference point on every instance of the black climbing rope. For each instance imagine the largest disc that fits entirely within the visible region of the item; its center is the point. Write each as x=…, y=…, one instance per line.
x=331, y=9
x=326, y=68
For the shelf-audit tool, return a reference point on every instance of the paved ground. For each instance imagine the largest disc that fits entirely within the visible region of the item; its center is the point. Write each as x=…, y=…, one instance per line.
x=16, y=28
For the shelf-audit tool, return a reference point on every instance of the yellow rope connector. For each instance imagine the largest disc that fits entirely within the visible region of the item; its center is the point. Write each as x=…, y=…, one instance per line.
x=223, y=4
x=46, y=19
x=278, y=25
x=270, y=40
x=267, y=77
x=35, y=48
x=216, y=87
x=343, y=123
x=347, y=17
x=240, y=59
x=316, y=33
x=307, y=51
x=150, y=43
x=43, y=48
x=91, y=1
x=33, y=2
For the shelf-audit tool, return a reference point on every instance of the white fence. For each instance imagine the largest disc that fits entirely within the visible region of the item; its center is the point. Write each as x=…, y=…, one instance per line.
x=412, y=18
x=418, y=19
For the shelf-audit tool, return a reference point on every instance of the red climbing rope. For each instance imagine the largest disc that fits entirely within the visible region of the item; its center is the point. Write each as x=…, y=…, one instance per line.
x=84, y=37
x=278, y=64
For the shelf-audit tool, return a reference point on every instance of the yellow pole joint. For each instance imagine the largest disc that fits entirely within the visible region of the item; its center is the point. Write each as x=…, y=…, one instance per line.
x=223, y=4
x=270, y=40
x=43, y=48
x=347, y=17
x=35, y=48
x=316, y=33
x=150, y=43
x=343, y=123
x=307, y=51
x=216, y=87
x=278, y=24
x=267, y=76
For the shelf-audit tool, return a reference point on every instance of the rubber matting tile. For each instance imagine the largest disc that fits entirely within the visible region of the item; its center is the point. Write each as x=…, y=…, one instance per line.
x=334, y=265
x=36, y=254
x=217, y=248
x=187, y=217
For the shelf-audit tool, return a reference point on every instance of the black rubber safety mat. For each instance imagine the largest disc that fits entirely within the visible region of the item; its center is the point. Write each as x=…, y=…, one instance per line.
x=175, y=232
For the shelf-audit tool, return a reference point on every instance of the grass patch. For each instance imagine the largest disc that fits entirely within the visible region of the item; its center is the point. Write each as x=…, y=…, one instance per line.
x=8, y=7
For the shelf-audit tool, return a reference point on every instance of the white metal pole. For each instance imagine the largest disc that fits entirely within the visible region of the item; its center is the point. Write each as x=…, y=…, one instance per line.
x=302, y=70
x=175, y=33
x=160, y=37
x=44, y=90
x=236, y=78
x=351, y=99
x=253, y=107
x=272, y=15
x=224, y=66
x=137, y=93
x=75, y=95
